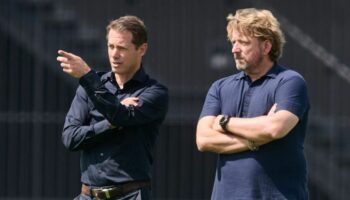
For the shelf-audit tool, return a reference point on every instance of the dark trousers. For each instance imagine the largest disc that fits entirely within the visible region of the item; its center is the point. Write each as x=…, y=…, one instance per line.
x=140, y=194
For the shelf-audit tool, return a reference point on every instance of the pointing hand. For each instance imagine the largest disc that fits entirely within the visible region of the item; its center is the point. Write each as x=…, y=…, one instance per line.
x=72, y=64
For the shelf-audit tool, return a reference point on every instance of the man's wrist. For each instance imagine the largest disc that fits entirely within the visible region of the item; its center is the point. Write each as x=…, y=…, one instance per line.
x=224, y=121
x=90, y=81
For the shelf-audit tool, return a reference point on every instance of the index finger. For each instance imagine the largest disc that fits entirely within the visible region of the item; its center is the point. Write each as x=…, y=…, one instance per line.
x=65, y=54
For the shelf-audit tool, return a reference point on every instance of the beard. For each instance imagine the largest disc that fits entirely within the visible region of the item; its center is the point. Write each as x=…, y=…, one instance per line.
x=243, y=64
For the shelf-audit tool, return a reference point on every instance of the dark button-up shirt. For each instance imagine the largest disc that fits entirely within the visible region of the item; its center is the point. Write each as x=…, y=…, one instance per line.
x=121, y=152
x=278, y=169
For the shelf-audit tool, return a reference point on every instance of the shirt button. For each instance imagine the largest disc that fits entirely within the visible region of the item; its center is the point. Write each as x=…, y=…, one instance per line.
x=101, y=154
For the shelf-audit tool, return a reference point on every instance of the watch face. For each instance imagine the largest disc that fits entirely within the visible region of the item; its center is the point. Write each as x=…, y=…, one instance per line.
x=223, y=120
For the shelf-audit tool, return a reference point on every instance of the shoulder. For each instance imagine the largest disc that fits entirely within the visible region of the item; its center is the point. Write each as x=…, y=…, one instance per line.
x=228, y=80
x=152, y=88
x=223, y=86
x=152, y=83
x=285, y=75
x=148, y=82
x=155, y=83
x=158, y=90
x=285, y=72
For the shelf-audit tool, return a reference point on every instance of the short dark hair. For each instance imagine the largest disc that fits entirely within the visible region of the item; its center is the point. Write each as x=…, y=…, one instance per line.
x=132, y=24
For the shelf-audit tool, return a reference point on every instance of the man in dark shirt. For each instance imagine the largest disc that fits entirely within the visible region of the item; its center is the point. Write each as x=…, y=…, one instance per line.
x=115, y=116
x=256, y=119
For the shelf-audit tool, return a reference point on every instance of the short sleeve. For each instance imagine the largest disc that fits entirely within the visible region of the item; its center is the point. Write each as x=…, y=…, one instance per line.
x=212, y=103
x=292, y=95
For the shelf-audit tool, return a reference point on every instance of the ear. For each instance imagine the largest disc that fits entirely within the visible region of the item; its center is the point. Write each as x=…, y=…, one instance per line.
x=266, y=45
x=143, y=48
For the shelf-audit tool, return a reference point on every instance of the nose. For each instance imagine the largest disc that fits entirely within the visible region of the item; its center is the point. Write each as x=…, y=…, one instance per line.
x=115, y=53
x=235, y=48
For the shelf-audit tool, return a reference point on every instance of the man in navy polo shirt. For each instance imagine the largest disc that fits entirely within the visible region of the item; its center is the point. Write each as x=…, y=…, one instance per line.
x=256, y=119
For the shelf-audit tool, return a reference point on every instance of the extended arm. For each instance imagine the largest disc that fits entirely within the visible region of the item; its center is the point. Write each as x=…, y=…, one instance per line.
x=152, y=102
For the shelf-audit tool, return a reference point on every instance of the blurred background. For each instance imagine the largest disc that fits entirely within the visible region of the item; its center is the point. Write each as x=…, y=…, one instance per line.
x=188, y=50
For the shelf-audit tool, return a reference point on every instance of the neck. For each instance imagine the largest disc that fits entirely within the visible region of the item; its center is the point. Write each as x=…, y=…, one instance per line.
x=260, y=71
x=121, y=79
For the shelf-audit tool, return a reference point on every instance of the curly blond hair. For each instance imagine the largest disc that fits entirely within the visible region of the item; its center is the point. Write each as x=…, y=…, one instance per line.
x=260, y=24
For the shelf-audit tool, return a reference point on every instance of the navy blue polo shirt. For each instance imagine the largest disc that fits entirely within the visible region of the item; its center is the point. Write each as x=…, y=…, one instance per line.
x=278, y=169
x=114, y=155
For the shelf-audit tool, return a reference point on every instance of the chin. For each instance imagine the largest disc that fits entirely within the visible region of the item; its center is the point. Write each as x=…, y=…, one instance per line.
x=114, y=70
x=240, y=66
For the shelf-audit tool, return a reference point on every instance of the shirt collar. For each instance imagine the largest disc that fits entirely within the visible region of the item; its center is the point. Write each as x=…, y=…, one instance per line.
x=139, y=76
x=272, y=73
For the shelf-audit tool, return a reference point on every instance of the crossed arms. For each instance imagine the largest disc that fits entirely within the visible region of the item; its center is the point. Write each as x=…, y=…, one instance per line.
x=263, y=129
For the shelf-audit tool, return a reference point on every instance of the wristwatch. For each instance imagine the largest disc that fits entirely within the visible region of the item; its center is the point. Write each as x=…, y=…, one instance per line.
x=223, y=122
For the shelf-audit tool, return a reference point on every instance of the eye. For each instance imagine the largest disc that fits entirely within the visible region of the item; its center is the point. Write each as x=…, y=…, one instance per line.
x=110, y=46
